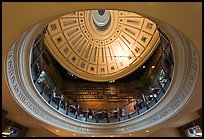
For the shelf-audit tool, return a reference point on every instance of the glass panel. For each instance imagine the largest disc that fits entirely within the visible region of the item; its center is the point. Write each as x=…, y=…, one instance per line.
x=163, y=43
x=40, y=37
x=162, y=78
x=155, y=89
x=50, y=84
x=166, y=85
x=155, y=70
x=48, y=90
x=168, y=52
x=47, y=57
x=159, y=96
x=33, y=74
x=37, y=50
x=39, y=65
x=43, y=78
x=166, y=65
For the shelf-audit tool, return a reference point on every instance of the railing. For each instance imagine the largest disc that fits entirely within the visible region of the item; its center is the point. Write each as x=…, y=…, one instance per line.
x=68, y=107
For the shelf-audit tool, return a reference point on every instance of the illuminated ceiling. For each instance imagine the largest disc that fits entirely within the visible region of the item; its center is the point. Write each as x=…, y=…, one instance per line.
x=101, y=45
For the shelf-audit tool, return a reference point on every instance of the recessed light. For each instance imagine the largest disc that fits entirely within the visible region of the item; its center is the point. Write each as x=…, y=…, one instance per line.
x=57, y=130
x=147, y=131
x=6, y=133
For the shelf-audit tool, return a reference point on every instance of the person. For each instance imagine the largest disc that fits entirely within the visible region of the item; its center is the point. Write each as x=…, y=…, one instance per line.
x=115, y=113
x=61, y=100
x=136, y=104
x=106, y=115
x=144, y=102
x=53, y=93
x=90, y=114
x=73, y=108
x=120, y=112
x=66, y=105
x=99, y=114
x=147, y=100
x=80, y=112
x=94, y=113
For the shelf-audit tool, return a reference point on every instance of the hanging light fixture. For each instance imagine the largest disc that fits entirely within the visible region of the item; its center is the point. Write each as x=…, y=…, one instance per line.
x=8, y=131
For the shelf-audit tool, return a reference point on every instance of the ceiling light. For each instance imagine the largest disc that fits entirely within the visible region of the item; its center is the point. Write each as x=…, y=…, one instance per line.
x=112, y=81
x=143, y=67
x=147, y=131
x=6, y=133
x=153, y=67
x=198, y=132
x=57, y=130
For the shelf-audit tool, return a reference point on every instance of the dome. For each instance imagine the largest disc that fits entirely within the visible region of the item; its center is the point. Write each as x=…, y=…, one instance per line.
x=101, y=45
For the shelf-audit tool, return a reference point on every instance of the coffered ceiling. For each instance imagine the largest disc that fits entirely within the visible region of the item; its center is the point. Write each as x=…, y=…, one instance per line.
x=102, y=55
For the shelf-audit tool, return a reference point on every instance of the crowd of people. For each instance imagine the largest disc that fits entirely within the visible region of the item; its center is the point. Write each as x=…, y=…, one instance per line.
x=75, y=108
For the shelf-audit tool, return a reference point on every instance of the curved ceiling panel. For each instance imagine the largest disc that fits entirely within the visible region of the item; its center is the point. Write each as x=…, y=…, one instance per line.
x=101, y=50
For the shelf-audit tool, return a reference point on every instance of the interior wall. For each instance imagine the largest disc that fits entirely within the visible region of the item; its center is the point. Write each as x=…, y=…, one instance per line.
x=166, y=132
x=39, y=132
